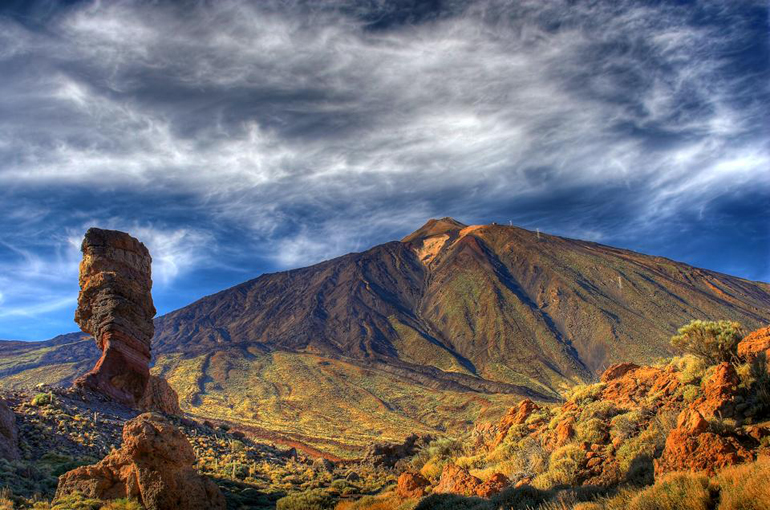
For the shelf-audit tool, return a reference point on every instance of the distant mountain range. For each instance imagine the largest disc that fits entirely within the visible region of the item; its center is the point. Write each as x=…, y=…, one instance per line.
x=422, y=334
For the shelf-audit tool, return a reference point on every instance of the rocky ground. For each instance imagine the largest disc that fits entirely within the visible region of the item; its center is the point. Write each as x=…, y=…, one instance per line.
x=61, y=429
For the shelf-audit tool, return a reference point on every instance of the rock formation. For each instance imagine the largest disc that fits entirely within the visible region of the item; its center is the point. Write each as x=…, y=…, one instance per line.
x=115, y=306
x=9, y=433
x=755, y=343
x=690, y=446
x=154, y=466
x=719, y=393
x=515, y=416
x=411, y=485
x=457, y=480
x=387, y=455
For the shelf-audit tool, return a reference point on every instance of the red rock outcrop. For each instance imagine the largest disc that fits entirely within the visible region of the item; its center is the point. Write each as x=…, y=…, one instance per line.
x=628, y=385
x=154, y=466
x=515, y=416
x=115, y=307
x=160, y=396
x=754, y=343
x=617, y=371
x=457, y=480
x=719, y=393
x=496, y=483
x=411, y=485
x=690, y=447
x=9, y=433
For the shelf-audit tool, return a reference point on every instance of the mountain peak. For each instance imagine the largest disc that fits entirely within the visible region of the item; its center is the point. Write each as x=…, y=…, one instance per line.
x=435, y=227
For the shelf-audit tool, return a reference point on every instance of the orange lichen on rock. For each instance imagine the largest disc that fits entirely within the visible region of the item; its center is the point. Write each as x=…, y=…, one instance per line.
x=154, y=466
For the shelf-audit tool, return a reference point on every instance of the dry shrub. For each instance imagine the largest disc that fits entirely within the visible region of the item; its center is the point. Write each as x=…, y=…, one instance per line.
x=593, y=431
x=563, y=468
x=746, y=486
x=676, y=491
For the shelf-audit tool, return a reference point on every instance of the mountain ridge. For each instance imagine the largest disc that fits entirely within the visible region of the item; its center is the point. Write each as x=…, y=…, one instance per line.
x=423, y=334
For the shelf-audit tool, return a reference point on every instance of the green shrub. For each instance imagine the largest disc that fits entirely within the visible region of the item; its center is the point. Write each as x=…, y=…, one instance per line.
x=453, y=502
x=42, y=399
x=713, y=342
x=315, y=499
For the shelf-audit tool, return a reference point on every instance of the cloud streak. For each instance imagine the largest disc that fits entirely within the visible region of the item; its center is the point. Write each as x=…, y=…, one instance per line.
x=260, y=136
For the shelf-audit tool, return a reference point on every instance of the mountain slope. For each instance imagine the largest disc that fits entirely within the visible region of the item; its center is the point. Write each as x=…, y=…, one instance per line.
x=495, y=302
x=423, y=334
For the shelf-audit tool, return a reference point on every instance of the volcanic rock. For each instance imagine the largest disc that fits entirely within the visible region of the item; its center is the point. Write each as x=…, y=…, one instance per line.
x=154, y=466
x=457, y=480
x=411, y=485
x=160, y=396
x=754, y=343
x=617, y=371
x=719, y=392
x=689, y=447
x=115, y=307
x=496, y=483
x=9, y=433
x=515, y=416
x=628, y=386
x=388, y=454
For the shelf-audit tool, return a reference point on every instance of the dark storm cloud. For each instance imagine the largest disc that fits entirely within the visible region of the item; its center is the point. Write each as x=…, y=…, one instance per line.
x=238, y=137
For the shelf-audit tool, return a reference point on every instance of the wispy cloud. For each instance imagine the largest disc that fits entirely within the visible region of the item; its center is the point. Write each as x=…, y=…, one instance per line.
x=293, y=132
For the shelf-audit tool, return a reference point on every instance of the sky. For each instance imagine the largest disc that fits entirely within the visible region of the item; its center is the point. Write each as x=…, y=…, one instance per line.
x=236, y=138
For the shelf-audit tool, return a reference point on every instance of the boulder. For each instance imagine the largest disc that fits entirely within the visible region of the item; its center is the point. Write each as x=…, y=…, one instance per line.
x=496, y=483
x=159, y=396
x=755, y=343
x=690, y=447
x=9, y=433
x=154, y=466
x=115, y=307
x=457, y=480
x=411, y=485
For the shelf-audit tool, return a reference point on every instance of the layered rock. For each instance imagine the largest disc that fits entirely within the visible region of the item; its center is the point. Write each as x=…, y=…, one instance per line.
x=154, y=466
x=9, y=433
x=115, y=307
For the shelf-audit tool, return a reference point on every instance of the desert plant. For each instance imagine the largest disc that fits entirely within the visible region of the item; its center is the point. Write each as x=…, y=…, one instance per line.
x=42, y=399
x=714, y=342
x=746, y=487
x=315, y=499
x=677, y=491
